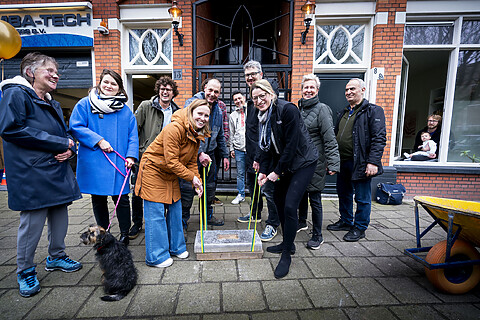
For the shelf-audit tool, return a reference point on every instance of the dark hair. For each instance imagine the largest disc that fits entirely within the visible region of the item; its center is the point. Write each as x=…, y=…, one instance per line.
x=237, y=92
x=116, y=77
x=32, y=62
x=166, y=81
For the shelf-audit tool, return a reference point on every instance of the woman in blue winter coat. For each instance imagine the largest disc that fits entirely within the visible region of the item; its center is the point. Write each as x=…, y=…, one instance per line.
x=102, y=123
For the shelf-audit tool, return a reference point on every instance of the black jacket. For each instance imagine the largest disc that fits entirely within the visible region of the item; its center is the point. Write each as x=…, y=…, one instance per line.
x=295, y=147
x=435, y=137
x=369, y=137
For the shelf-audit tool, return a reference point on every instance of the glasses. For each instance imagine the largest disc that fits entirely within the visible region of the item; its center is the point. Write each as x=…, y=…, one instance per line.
x=165, y=89
x=260, y=96
x=52, y=72
x=251, y=74
x=432, y=120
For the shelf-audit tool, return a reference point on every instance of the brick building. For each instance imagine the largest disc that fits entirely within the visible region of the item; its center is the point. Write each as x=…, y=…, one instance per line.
x=417, y=58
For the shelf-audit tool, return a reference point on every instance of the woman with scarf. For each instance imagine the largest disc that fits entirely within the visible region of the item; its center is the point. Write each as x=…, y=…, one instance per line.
x=285, y=140
x=102, y=123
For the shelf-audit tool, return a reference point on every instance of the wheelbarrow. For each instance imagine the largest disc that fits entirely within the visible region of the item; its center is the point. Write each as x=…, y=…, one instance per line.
x=452, y=265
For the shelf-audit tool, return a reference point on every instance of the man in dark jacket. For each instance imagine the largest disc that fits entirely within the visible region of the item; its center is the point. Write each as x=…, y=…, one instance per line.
x=152, y=116
x=361, y=137
x=434, y=128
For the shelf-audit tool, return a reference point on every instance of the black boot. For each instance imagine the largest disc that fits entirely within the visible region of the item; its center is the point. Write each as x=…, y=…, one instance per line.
x=124, y=238
x=283, y=265
x=279, y=249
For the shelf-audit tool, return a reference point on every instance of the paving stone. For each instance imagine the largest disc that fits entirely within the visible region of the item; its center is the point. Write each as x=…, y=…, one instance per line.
x=392, y=267
x=325, y=267
x=242, y=296
x=153, y=300
x=408, y=291
x=255, y=269
x=7, y=254
x=95, y=307
x=415, y=312
x=223, y=316
x=382, y=248
x=52, y=306
x=398, y=234
x=359, y=267
x=468, y=297
x=368, y=292
x=189, y=317
x=58, y=278
x=327, y=249
x=330, y=314
x=199, y=298
x=327, y=293
x=458, y=311
x=13, y=306
x=375, y=234
x=370, y=313
x=352, y=249
x=285, y=295
x=298, y=269
x=283, y=315
x=149, y=275
x=182, y=272
x=216, y=271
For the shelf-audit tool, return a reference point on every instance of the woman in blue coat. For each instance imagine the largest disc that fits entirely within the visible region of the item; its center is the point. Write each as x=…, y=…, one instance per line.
x=41, y=183
x=102, y=122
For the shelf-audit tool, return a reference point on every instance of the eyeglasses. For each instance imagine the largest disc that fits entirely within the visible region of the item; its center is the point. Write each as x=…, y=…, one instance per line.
x=165, y=89
x=260, y=96
x=52, y=72
x=432, y=120
x=251, y=74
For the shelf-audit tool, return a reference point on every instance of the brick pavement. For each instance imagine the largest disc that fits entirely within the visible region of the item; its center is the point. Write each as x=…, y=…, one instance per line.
x=371, y=279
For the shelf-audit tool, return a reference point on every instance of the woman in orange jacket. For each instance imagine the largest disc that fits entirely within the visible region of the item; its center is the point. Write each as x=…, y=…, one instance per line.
x=172, y=155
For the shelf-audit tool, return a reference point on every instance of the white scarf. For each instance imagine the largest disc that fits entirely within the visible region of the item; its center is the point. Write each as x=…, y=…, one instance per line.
x=105, y=104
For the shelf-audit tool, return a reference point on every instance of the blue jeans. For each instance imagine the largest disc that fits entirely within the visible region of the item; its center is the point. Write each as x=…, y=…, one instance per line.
x=346, y=188
x=240, y=160
x=163, y=235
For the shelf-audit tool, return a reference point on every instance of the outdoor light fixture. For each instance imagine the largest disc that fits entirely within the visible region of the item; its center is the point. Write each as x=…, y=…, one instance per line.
x=103, y=28
x=175, y=12
x=309, y=10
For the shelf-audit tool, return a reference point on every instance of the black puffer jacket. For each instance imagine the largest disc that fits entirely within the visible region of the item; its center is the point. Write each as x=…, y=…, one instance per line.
x=318, y=120
x=295, y=147
x=369, y=138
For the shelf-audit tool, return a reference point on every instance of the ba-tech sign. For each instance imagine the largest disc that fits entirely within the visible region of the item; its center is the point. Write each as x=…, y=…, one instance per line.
x=73, y=29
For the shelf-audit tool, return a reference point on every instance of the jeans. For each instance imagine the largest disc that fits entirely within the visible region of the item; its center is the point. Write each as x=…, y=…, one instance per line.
x=346, y=188
x=317, y=210
x=267, y=191
x=240, y=160
x=163, y=235
x=102, y=215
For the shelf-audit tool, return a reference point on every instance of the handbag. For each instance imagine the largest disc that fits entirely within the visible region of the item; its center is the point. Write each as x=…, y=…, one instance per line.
x=389, y=193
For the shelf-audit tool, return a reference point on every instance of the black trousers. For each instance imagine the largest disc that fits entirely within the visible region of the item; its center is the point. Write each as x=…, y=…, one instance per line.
x=102, y=216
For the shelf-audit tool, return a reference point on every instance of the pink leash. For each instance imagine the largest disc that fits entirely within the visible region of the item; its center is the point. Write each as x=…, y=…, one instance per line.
x=123, y=185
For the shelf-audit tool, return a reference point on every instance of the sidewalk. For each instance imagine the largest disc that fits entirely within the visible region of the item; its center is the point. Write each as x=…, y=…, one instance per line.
x=370, y=279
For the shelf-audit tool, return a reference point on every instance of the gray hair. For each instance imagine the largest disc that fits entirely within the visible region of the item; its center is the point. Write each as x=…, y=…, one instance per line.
x=265, y=86
x=360, y=82
x=32, y=62
x=253, y=64
x=309, y=77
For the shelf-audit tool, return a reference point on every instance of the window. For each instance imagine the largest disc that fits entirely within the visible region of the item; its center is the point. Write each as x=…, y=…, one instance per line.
x=150, y=47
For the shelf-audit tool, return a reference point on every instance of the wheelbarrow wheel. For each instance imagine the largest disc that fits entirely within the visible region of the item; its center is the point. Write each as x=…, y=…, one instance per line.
x=453, y=280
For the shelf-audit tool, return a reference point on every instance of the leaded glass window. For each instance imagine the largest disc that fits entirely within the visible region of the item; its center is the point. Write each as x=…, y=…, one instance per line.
x=340, y=44
x=150, y=47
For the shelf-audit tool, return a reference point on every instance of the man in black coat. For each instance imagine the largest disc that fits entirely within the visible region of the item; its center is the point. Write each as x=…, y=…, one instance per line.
x=361, y=137
x=434, y=128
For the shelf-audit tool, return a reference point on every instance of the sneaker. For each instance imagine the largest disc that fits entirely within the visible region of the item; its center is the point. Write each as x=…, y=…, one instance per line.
x=217, y=202
x=28, y=282
x=215, y=222
x=269, y=233
x=302, y=226
x=164, y=264
x=339, y=226
x=239, y=198
x=246, y=219
x=183, y=255
x=315, y=242
x=354, y=235
x=406, y=155
x=64, y=264
x=134, y=231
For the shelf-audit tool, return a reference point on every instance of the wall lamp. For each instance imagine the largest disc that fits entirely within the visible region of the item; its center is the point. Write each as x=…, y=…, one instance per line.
x=309, y=10
x=175, y=12
x=103, y=28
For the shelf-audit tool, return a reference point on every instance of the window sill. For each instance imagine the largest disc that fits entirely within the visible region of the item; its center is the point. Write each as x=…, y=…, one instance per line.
x=427, y=167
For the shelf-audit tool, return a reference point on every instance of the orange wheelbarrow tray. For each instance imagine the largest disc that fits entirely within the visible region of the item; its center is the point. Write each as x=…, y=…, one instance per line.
x=461, y=221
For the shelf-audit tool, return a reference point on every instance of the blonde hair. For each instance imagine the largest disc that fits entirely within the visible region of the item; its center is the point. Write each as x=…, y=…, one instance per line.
x=194, y=105
x=265, y=86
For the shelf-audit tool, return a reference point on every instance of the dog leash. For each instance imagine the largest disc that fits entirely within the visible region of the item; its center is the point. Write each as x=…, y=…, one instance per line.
x=256, y=211
x=203, y=208
x=123, y=185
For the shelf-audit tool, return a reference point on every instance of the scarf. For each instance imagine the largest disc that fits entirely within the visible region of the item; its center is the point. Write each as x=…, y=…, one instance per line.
x=101, y=103
x=265, y=131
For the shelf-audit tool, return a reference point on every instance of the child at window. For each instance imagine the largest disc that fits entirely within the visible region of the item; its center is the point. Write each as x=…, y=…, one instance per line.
x=428, y=148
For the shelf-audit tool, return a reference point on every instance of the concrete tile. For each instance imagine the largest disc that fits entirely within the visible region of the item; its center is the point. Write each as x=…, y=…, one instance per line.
x=368, y=292
x=285, y=295
x=283, y=315
x=398, y=234
x=182, y=272
x=392, y=267
x=370, y=313
x=255, y=269
x=459, y=311
x=375, y=234
x=217, y=271
x=359, y=267
x=325, y=267
x=243, y=296
x=149, y=275
x=224, y=316
x=415, y=312
x=327, y=249
x=298, y=269
x=382, y=248
x=199, y=298
x=95, y=307
x=330, y=314
x=189, y=317
x=153, y=300
x=13, y=306
x=408, y=291
x=352, y=249
x=59, y=278
x=327, y=293
x=468, y=297
x=53, y=305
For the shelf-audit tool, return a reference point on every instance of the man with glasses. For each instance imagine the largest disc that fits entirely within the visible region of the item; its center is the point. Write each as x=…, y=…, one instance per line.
x=253, y=72
x=434, y=128
x=152, y=116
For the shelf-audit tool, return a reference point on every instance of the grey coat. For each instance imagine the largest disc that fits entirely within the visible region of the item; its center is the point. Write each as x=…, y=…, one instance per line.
x=318, y=120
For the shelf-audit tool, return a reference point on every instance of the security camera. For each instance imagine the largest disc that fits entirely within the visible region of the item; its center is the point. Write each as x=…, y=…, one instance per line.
x=103, y=30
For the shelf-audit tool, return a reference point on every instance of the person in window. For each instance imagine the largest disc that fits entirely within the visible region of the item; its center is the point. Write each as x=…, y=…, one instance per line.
x=285, y=142
x=434, y=128
x=427, y=149
x=41, y=183
x=102, y=122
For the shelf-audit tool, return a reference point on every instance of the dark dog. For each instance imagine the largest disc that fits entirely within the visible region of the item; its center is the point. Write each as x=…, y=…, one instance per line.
x=119, y=272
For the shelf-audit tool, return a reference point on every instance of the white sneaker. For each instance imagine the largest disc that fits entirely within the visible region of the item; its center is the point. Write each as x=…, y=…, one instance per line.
x=183, y=255
x=239, y=198
x=406, y=155
x=164, y=264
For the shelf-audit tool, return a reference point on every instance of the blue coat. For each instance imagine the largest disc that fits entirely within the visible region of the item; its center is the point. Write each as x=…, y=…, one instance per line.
x=95, y=174
x=34, y=132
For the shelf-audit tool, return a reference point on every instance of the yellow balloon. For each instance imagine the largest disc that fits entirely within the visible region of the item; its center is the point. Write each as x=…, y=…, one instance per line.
x=10, y=40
